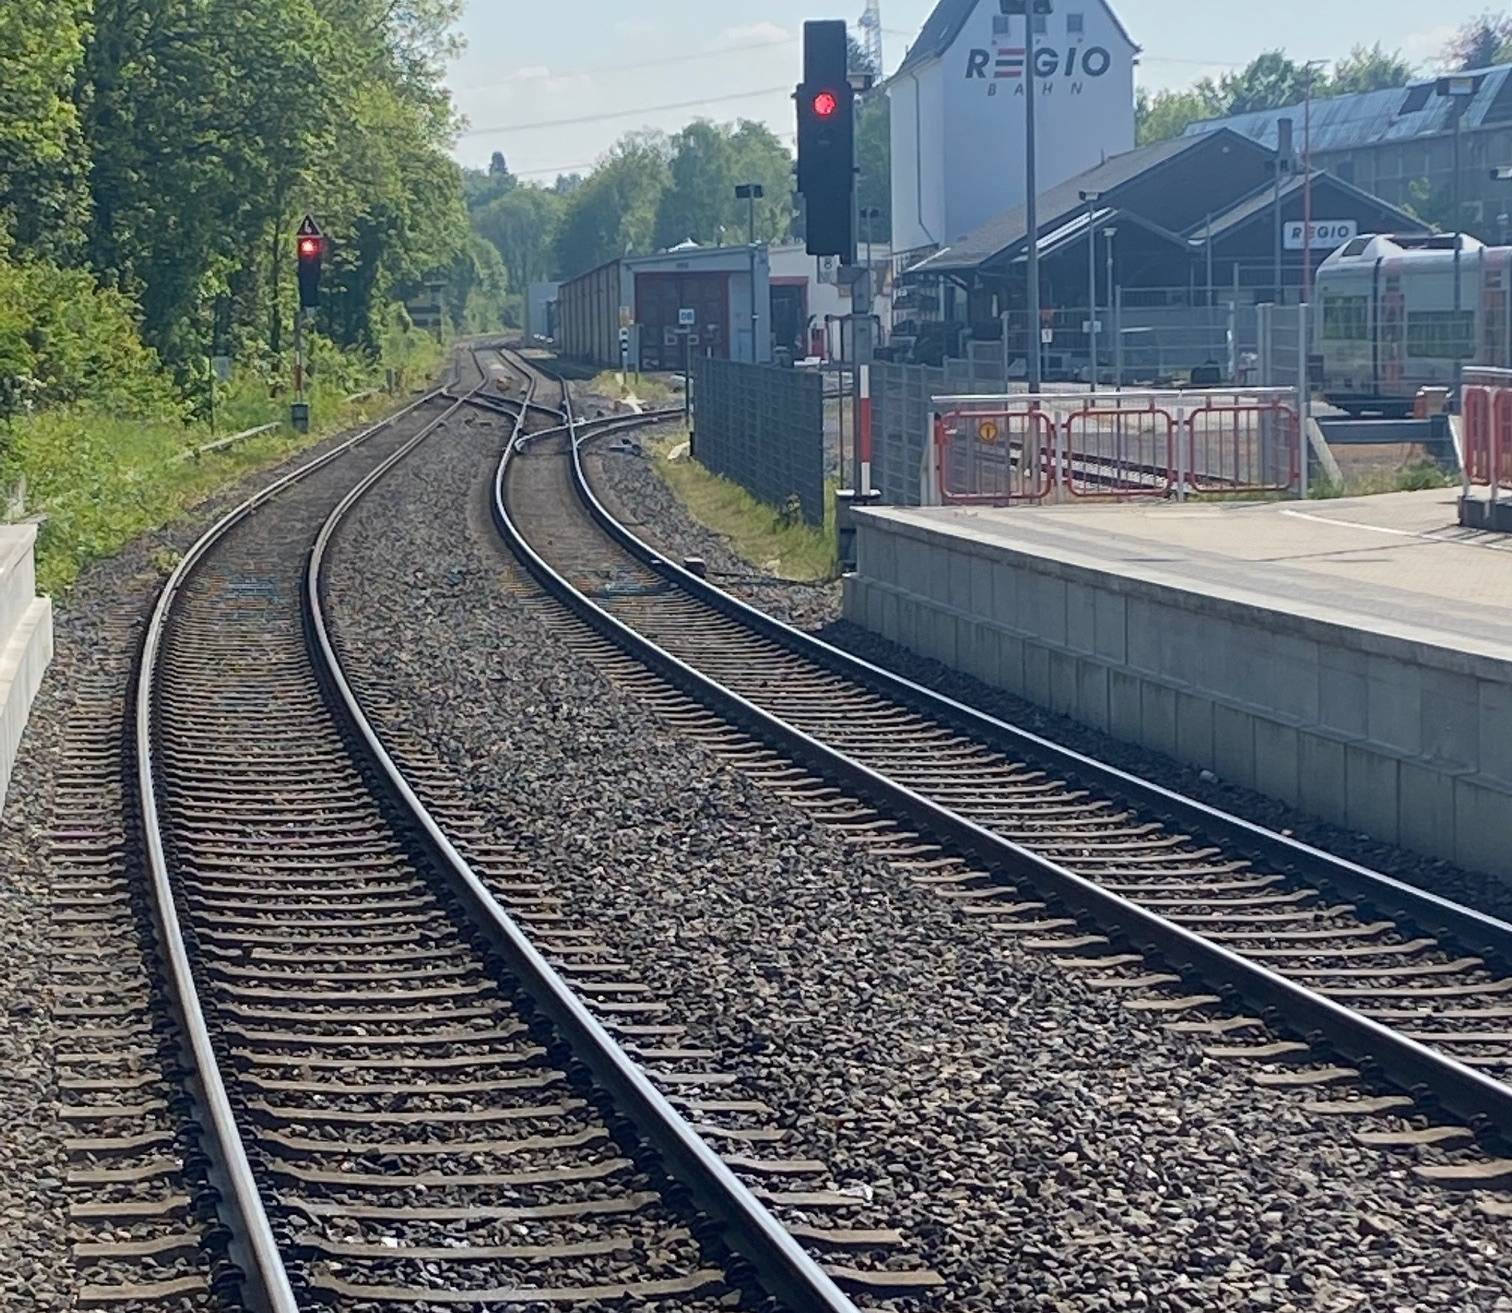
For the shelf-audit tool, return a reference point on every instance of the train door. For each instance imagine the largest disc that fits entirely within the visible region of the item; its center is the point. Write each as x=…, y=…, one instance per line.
x=1494, y=336
x=1391, y=349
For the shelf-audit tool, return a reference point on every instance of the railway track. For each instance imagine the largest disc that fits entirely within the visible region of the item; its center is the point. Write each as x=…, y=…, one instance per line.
x=399, y=1102
x=1330, y=976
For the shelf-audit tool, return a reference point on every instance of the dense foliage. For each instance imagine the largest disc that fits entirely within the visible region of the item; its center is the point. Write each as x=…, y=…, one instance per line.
x=169, y=148
x=1270, y=81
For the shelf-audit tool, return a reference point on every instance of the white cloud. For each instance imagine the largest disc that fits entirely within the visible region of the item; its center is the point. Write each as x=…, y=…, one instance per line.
x=1427, y=46
x=749, y=34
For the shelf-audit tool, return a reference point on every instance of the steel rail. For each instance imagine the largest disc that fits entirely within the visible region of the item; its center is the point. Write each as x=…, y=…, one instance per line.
x=782, y=1267
x=1482, y=1101
x=253, y=1244
x=1475, y=930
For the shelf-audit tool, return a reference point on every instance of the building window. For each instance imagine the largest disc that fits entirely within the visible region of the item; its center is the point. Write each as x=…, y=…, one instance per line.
x=999, y=25
x=1346, y=318
x=1440, y=334
x=1041, y=24
x=1076, y=24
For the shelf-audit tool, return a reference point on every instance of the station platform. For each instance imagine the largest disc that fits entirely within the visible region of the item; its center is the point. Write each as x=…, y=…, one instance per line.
x=1352, y=658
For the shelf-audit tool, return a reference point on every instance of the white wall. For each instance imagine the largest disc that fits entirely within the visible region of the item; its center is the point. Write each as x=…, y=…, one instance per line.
x=969, y=145
x=918, y=162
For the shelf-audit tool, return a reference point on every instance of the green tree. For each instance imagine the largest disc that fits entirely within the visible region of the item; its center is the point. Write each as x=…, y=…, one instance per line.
x=614, y=211
x=41, y=147
x=874, y=161
x=1369, y=68
x=760, y=157
x=522, y=225
x=1269, y=81
x=1166, y=114
x=1484, y=40
x=697, y=203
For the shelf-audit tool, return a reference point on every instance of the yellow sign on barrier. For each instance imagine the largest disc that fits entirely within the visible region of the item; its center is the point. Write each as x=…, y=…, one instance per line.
x=987, y=431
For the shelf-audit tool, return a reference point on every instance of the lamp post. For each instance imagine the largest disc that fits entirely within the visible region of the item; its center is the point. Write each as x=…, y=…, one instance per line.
x=1309, y=70
x=1458, y=89
x=1030, y=10
x=1115, y=326
x=751, y=192
x=1091, y=198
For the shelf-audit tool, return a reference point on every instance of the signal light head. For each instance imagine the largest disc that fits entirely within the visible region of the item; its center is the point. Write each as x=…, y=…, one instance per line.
x=826, y=103
x=309, y=248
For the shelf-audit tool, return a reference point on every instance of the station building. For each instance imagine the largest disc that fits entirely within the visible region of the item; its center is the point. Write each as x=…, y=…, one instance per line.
x=958, y=113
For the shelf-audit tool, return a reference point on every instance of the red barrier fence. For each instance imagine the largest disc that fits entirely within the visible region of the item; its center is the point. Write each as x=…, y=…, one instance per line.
x=1486, y=408
x=1001, y=451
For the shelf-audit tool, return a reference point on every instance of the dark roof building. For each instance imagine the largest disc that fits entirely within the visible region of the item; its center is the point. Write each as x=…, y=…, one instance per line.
x=1171, y=202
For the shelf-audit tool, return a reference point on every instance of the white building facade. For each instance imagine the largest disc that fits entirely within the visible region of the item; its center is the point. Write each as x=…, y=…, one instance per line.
x=958, y=111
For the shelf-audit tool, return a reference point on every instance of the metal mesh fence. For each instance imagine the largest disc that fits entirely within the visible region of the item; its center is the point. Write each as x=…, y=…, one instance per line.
x=763, y=428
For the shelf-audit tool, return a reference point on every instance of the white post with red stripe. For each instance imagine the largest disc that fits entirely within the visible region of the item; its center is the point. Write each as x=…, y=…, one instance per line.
x=865, y=450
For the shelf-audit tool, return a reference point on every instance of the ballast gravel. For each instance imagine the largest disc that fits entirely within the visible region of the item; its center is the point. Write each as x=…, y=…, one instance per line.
x=36, y=1266
x=637, y=494
x=1042, y=1147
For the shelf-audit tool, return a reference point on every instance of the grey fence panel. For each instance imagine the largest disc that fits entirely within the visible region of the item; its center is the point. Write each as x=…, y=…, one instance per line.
x=763, y=427
x=901, y=401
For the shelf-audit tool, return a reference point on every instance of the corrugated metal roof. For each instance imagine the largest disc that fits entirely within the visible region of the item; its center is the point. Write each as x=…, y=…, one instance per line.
x=943, y=26
x=1058, y=204
x=1370, y=117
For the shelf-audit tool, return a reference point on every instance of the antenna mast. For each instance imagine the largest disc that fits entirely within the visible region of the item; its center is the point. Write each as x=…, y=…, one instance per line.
x=871, y=35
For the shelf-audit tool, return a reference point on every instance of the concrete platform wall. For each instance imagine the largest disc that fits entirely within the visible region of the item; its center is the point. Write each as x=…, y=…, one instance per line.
x=1408, y=742
x=26, y=640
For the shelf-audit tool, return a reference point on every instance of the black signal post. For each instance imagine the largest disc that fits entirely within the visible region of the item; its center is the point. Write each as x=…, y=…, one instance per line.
x=827, y=140
x=309, y=245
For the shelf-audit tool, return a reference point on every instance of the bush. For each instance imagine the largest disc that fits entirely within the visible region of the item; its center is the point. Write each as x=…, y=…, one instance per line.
x=64, y=340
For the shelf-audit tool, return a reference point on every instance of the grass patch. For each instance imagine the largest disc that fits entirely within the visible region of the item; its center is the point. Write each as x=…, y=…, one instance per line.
x=102, y=480
x=1416, y=476
x=643, y=388
x=771, y=539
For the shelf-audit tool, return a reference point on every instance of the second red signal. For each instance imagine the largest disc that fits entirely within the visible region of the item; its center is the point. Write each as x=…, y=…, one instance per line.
x=825, y=104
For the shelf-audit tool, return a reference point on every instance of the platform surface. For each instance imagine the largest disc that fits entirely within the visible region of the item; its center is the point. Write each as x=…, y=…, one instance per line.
x=1398, y=564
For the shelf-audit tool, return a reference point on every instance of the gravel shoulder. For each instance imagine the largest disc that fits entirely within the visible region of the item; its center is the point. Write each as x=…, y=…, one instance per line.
x=1044, y=1148
x=36, y=1267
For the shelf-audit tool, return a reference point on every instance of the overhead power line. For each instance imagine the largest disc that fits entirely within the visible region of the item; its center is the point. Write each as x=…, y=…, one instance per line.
x=621, y=67
x=624, y=113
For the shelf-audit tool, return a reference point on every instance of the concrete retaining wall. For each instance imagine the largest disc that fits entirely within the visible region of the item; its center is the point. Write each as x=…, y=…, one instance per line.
x=26, y=640
x=1406, y=741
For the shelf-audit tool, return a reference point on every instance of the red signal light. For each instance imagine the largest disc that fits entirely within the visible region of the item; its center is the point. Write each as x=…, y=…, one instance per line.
x=309, y=248
x=825, y=104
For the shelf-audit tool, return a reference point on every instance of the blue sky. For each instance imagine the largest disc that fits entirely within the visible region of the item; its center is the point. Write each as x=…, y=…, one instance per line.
x=568, y=67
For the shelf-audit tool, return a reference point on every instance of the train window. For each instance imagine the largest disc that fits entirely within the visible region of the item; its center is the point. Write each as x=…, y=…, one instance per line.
x=1346, y=318
x=1441, y=334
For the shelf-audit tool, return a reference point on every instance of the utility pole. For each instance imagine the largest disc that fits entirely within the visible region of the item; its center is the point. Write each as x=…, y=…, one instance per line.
x=1115, y=327
x=1458, y=89
x=1091, y=198
x=751, y=192
x=1307, y=269
x=1282, y=164
x=1030, y=9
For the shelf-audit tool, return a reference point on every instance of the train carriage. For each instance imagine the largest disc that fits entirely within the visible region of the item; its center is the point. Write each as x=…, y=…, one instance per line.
x=1386, y=323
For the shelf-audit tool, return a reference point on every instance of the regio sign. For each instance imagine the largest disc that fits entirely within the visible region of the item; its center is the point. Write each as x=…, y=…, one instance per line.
x=1327, y=234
